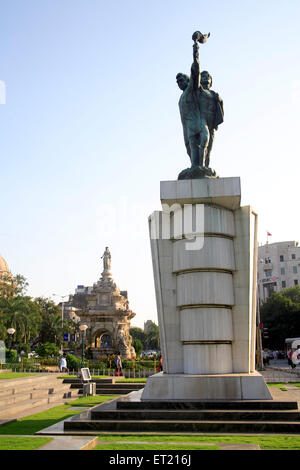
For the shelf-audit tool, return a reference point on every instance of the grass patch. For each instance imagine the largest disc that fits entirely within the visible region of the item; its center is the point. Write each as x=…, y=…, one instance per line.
x=145, y=446
x=92, y=400
x=22, y=443
x=282, y=384
x=36, y=422
x=278, y=442
x=132, y=380
x=14, y=375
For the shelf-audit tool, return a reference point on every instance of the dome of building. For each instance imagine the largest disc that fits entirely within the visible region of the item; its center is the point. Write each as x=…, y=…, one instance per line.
x=4, y=269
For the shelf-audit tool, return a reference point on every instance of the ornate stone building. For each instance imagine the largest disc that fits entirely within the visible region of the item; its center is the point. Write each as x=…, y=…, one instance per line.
x=105, y=309
x=4, y=269
x=6, y=278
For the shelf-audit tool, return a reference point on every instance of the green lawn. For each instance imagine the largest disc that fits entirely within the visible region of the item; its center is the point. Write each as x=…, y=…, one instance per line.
x=131, y=446
x=92, y=400
x=22, y=443
x=271, y=442
x=14, y=375
x=282, y=384
x=36, y=422
x=132, y=380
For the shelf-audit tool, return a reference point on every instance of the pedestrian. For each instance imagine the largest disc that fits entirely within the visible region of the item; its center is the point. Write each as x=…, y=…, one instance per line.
x=296, y=356
x=118, y=363
x=160, y=366
x=265, y=357
x=63, y=367
x=290, y=357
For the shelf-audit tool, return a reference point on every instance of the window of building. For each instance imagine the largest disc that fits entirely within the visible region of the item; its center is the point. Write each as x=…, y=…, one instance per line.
x=293, y=256
x=281, y=258
x=295, y=269
x=283, y=284
x=295, y=282
x=269, y=272
x=282, y=271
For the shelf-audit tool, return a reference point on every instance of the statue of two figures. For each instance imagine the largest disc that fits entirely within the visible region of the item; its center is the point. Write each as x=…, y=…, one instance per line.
x=201, y=111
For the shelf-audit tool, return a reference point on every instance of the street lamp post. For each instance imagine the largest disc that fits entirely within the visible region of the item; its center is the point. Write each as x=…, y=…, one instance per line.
x=62, y=306
x=62, y=314
x=10, y=331
x=82, y=328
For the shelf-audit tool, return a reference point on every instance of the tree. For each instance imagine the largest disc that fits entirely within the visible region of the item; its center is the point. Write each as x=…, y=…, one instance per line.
x=136, y=343
x=22, y=314
x=149, y=338
x=281, y=315
x=152, y=336
x=48, y=350
x=12, y=285
x=51, y=328
x=7, y=286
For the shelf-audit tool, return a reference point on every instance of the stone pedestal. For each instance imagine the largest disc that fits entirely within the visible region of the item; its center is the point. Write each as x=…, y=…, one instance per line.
x=204, y=253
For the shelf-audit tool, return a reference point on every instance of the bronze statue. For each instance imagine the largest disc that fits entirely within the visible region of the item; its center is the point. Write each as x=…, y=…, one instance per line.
x=201, y=111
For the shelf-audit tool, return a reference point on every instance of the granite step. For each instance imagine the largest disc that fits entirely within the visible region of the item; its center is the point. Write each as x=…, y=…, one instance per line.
x=107, y=391
x=180, y=426
x=110, y=380
x=110, y=388
x=126, y=387
x=263, y=405
x=204, y=415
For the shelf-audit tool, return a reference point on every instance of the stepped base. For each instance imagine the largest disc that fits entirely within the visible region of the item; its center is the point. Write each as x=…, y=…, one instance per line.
x=166, y=387
x=179, y=427
x=130, y=415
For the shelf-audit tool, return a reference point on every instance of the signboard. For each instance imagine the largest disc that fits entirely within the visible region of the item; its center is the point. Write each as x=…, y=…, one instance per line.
x=85, y=374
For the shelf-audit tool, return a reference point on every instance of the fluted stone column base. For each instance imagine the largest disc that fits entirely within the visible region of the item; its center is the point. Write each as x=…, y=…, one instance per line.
x=222, y=387
x=204, y=254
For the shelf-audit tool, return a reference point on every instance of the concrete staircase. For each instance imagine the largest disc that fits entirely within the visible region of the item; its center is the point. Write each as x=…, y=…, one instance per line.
x=107, y=386
x=189, y=417
x=18, y=396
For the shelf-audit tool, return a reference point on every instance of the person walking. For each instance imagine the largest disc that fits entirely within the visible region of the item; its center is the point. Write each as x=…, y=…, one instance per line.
x=63, y=366
x=290, y=359
x=118, y=363
x=160, y=366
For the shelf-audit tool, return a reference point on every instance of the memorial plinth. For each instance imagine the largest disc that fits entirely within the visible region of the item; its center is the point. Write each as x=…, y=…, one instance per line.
x=204, y=252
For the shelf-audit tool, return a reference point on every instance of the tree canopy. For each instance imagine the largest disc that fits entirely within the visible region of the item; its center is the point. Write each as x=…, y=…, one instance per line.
x=36, y=321
x=149, y=338
x=280, y=313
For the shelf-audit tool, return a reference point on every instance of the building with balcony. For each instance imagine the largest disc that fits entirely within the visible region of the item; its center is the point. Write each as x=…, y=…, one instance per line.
x=278, y=267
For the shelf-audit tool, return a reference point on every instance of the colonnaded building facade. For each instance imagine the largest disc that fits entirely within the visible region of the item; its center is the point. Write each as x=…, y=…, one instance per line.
x=104, y=308
x=278, y=267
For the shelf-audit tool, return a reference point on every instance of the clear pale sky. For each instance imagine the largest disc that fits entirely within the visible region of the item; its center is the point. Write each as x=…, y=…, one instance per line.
x=91, y=126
